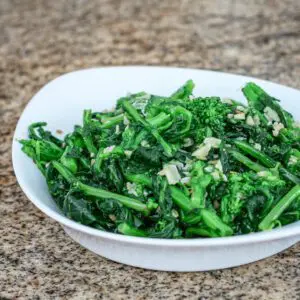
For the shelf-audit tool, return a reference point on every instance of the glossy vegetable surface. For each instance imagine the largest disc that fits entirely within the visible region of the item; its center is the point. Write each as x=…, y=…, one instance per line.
x=178, y=166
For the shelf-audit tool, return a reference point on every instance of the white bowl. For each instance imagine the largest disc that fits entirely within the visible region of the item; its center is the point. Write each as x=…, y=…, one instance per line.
x=61, y=102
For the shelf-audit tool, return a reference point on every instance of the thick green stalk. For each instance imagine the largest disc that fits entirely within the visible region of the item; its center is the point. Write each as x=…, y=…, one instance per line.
x=250, y=94
x=198, y=196
x=86, y=135
x=103, y=194
x=185, y=91
x=100, y=193
x=161, y=122
x=266, y=160
x=98, y=161
x=211, y=220
x=192, y=219
x=162, y=194
x=89, y=144
x=139, y=178
x=279, y=208
x=87, y=116
x=138, y=118
x=88, y=141
x=288, y=175
x=127, y=229
x=65, y=172
x=247, y=162
x=112, y=121
x=139, y=138
x=69, y=162
x=102, y=155
x=180, y=199
x=130, y=109
x=85, y=162
x=199, y=183
x=263, y=158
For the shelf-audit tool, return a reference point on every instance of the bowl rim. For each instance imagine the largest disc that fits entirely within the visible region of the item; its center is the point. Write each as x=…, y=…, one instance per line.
x=291, y=230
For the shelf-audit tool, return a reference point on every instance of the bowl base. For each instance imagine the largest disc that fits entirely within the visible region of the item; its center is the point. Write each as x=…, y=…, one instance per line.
x=170, y=258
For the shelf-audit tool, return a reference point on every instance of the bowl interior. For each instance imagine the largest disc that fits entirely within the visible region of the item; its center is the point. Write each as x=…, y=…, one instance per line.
x=61, y=102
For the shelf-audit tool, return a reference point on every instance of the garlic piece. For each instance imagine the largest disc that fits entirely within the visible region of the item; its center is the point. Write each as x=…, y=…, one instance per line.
x=171, y=172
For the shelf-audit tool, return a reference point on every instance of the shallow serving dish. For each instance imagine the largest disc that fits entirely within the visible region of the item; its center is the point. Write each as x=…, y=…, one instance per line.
x=61, y=102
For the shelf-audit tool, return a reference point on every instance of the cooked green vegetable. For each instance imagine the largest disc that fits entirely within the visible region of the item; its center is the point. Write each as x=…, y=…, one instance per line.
x=176, y=167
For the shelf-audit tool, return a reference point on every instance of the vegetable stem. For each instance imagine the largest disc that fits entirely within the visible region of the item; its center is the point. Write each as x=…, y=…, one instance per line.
x=246, y=161
x=263, y=158
x=266, y=160
x=112, y=121
x=214, y=222
x=127, y=229
x=180, y=199
x=279, y=208
x=139, y=178
x=103, y=194
x=192, y=219
x=64, y=172
x=136, y=116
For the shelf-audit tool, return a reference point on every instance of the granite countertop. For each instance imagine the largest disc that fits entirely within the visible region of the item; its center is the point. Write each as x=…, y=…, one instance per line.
x=40, y=40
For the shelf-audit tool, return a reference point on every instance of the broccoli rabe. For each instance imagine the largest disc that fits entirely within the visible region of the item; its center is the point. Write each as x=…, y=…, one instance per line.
x=177, y=166
x=210, y=116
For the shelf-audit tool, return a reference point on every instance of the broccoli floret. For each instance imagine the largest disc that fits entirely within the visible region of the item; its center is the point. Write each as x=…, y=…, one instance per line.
x=210, y=116
x=240, y=187
x=248, y=193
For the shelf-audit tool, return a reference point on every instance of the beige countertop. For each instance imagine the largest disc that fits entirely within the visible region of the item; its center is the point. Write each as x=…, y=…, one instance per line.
x=40, y=40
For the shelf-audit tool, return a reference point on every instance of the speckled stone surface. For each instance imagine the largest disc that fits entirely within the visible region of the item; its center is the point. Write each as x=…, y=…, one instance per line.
x=40, y=40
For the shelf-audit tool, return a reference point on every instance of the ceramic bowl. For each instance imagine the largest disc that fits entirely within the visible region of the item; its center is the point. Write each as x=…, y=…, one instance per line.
x=60, y=103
